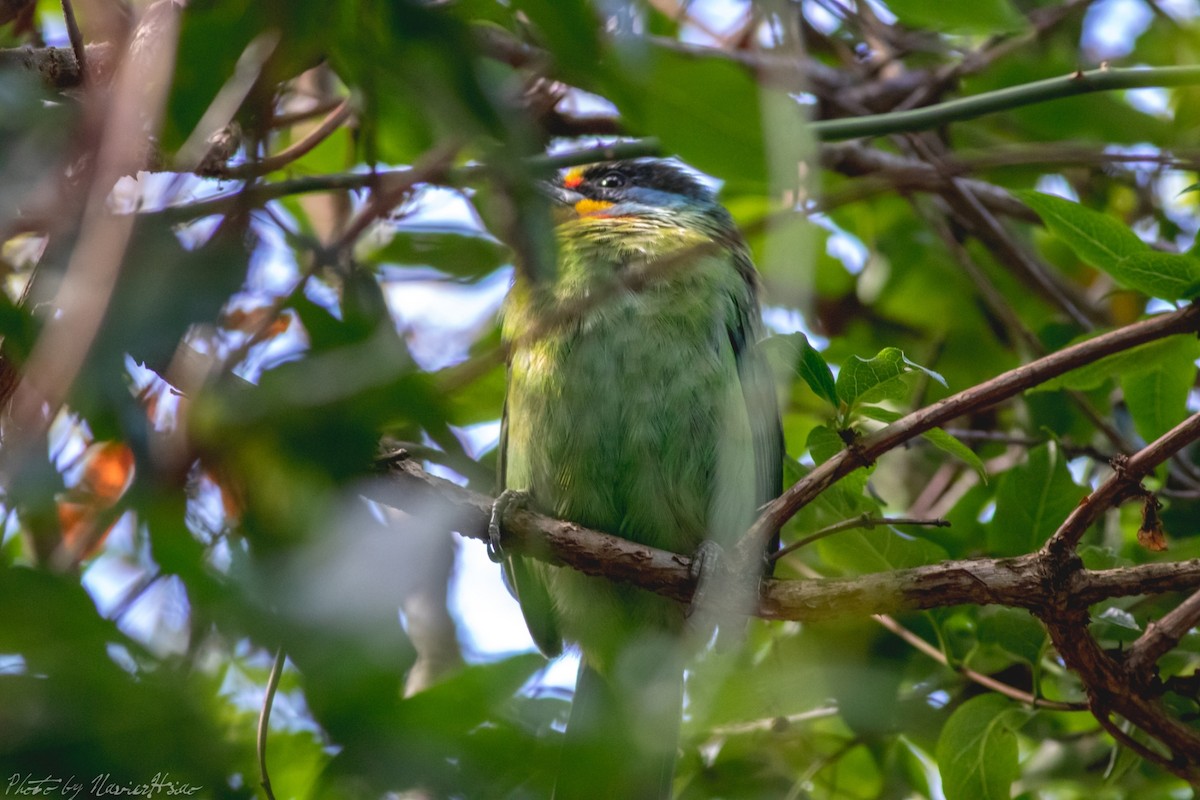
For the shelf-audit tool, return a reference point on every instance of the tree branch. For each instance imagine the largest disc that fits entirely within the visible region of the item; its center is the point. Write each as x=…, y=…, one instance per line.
x=1014, y=582
x=1126, y=478
x=1119, y=685
x=1162, y=635
x=57, y=66
x=976, y=398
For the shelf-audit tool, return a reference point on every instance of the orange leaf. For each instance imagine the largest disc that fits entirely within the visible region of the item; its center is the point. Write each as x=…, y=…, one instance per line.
x=107, y=472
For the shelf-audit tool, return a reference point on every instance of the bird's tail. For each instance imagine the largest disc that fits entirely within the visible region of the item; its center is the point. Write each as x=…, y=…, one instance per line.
x=623, y=732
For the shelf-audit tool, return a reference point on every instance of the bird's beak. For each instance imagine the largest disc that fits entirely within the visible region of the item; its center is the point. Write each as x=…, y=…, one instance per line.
x=560, y=194
x=564, y=199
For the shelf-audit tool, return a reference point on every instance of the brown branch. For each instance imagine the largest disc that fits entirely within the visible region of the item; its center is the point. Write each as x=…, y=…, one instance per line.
x=901, y=173
x=1162, y=635
x=1113, y=685
x=385, y=181
x=57, y=66
x=1124, y=481
x=1112, y=688
x=1125, y=740
x=320, y=108
x=1014, y=582
x=976, y=398
x=331, y=123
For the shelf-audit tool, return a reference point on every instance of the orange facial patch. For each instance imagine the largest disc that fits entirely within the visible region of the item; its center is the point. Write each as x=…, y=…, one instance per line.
x=573, y=178
x=590, y=208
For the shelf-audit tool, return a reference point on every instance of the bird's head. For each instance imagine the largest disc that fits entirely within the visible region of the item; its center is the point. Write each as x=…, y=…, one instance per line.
x=646, y=191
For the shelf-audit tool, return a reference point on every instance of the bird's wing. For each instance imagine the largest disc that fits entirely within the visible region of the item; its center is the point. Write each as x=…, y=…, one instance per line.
x=762, y=402
x=519, y=573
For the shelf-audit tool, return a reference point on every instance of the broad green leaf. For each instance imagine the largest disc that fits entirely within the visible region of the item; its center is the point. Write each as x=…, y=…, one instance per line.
x=978, y=16
x=1097, y=238
x=570, y=30
x=709, y=110
x=977, y=750
x=856, y=774
x=878, y=549
x=1032, y=500
x=1171, y=276
x=881, y=414
x=936, y=436
x=1157, y=397
x=824, y=443
x=1152, y=356
x=1107, y=244
x=794, y=353
x=1014, y=630
x=877, y=379
x=944, y=441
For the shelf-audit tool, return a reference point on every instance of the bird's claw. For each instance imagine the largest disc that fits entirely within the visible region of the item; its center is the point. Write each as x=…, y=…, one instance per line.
x=507, y=499
x=703, y=567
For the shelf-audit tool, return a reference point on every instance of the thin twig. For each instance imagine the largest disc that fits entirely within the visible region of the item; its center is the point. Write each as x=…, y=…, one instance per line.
x=431, y=165
x=349, y=181
x=1124, y=739
x=76, y=37
x=774, y=723
x=861, y=521
x=264, y=720
x=290, y=118
x=1021, y=440
x=296, y=150
x=977, y=677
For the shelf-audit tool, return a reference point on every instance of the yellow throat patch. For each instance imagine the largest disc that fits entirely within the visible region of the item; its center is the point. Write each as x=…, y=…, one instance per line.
x=590, y=208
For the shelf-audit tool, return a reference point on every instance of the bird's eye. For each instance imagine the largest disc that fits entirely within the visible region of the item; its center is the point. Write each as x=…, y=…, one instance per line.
x=612, y=180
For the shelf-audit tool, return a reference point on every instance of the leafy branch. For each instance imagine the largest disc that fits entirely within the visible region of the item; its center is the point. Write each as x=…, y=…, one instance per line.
x=976, y=398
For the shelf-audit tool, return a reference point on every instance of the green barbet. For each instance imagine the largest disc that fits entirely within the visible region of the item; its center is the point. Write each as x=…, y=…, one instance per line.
x=639, y=405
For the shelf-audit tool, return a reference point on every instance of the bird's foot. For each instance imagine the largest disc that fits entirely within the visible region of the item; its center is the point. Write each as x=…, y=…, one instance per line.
x=509, y=498
x=702, y=569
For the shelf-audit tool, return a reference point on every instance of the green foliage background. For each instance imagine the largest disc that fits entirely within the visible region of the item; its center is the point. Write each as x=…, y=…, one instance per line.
x=151, y=656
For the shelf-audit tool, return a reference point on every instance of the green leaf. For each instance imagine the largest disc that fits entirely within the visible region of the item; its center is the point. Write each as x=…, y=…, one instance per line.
x=881, y=414
x=945, y=442
x=710, y=111
x=1152, y=356
x=570, y=30
x=1171, y=276
x=823, y=443
x=936, y=436
x=1107, y=244
x=877, y=549
x=978, y=16
x=1157, y=397
x=1015, y=630
x=1032, y=500
x=877, y=379
x=977, y=750
x=793, y=353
